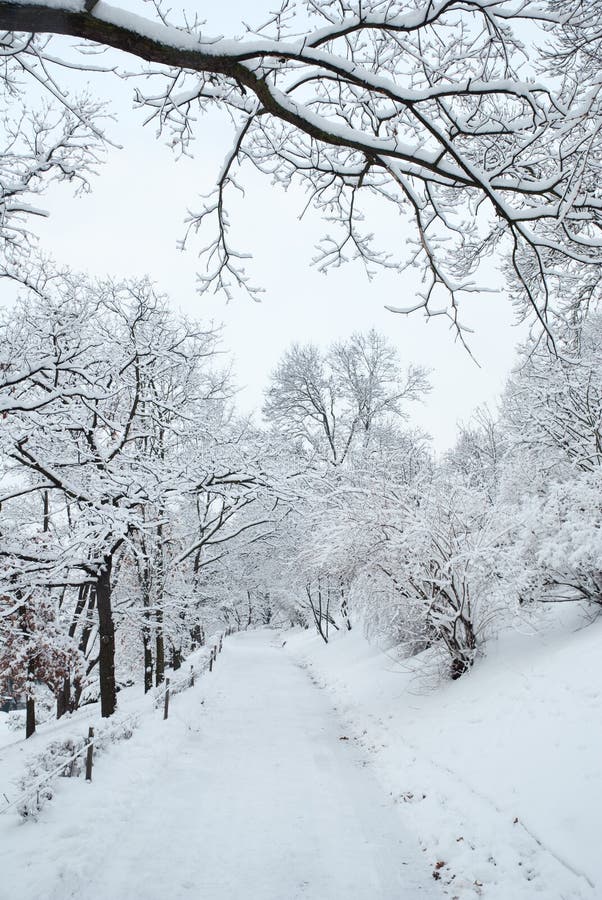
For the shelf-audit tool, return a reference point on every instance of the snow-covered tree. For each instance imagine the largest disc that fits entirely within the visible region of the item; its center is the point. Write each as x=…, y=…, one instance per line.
x=112, y=420
x=550, y=490
x=330, y=402
x=34, y=647
x=430, y=111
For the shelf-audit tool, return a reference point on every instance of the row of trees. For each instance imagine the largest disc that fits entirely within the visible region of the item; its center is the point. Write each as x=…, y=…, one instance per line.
x=444, y=553
x=138, y=510
x=136, y=505
x=124, y=475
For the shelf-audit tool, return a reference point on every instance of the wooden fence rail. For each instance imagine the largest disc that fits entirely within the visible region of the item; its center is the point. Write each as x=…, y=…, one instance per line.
x=89, y=742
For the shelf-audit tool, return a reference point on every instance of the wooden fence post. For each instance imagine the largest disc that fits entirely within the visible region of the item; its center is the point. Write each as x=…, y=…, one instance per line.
x=166, y=707
x=192, y=676
x=211, y=661
x=221, y=638
x=89, y=753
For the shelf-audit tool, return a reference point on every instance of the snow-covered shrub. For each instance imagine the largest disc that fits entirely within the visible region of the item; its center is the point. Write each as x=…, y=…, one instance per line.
x=560, y=540
x=59, y=757
x=15, y=720
x=63, y=759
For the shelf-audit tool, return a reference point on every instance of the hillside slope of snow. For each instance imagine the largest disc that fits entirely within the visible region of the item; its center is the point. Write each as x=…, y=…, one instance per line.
x=499, y=773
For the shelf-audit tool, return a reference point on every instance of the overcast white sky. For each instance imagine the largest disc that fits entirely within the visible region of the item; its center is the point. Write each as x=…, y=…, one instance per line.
x=132, y=220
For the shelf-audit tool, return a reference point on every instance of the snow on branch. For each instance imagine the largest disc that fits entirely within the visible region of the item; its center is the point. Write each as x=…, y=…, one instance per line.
x=432, y=112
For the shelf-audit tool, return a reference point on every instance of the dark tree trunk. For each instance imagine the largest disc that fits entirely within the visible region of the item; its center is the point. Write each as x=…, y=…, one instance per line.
x=46, y=522
x=63, y=699
x=146, y=635
x=30, y=717
x=250, y=610
x=196, y=636
x=316, y=612
x=462, y=649
x=148, y=661
x=79, y=608
x=66, y=701
x=176, y=657
x=460, y=640
x=30, y=703
x=459, y=666
x=345, y=608
x=106, y=634
x=159, y=650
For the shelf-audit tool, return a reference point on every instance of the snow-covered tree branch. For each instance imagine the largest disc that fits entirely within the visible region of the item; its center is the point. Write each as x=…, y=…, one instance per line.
x=432, y=111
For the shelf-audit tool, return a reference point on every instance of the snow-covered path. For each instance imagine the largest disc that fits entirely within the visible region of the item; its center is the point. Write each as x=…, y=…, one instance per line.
x=248, y=792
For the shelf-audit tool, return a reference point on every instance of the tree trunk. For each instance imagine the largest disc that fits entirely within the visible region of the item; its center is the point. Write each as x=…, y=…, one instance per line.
x=30, y=717
x=176, y=657
x=83, y=646
x=147, y=634
x=46, y=520
x=63, y=699
x=159, y=650
x=462, y=649
x=345, y=608
x=88, y=623
x=196, y=636
x=250, y=610
x=317, y=613
x=30, y=703
x=106, y=634
x=148, y=660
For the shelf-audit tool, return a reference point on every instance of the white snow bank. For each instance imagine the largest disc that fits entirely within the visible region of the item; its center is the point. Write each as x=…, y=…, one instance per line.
x=18, y=755
x=498, y=772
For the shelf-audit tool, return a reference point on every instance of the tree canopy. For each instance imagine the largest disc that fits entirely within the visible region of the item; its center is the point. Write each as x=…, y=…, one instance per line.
x=476, y=121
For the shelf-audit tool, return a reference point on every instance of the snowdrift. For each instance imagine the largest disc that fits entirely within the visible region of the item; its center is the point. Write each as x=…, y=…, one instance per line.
x=499, y=772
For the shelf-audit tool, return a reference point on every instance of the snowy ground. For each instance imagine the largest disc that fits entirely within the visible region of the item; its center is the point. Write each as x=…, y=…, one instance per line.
x=499, y=773
x=247, y=791
x=261, y=786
